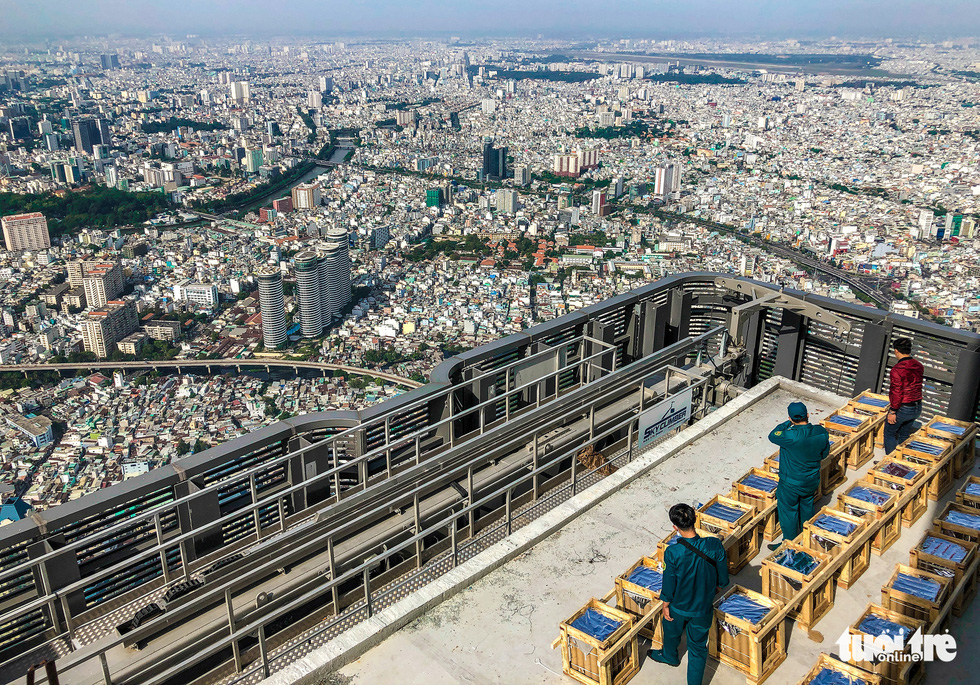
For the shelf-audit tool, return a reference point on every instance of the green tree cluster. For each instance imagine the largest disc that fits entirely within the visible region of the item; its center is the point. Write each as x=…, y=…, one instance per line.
x=173, y=122
x=97, y=206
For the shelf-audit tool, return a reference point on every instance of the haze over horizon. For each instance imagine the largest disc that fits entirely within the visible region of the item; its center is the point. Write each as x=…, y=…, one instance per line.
x=558, y=18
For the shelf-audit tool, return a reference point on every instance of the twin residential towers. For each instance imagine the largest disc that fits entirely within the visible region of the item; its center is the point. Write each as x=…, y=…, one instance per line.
x=322, y=290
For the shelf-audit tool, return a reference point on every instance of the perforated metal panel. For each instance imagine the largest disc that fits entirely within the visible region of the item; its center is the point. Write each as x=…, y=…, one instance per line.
x=828, y=368
x=707, y=311
x=768, y=343
x=21, y=631
x=618, y=319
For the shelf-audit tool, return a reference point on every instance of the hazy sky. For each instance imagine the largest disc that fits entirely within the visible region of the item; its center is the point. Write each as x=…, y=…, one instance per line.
x=639, y=18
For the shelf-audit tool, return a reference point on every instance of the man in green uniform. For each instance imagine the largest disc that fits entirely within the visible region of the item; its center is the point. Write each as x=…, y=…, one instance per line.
x=694, y=569
x=801, y=449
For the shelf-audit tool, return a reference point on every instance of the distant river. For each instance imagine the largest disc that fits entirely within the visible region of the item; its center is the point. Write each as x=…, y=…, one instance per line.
x=790, y=66
x=336, y=158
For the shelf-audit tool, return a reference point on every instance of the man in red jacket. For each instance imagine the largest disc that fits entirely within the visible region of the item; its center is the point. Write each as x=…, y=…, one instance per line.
x=904, y=395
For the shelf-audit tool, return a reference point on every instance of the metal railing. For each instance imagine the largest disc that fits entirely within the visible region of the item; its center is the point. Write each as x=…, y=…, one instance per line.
x=707, y=304
x=448, y=523
x=591, y=362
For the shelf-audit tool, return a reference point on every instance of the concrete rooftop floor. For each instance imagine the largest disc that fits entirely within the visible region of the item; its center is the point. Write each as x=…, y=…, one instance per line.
x=501, y=627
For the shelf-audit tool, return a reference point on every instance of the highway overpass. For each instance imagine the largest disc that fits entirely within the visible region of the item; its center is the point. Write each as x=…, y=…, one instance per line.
x=207, y=365
x=877, y=296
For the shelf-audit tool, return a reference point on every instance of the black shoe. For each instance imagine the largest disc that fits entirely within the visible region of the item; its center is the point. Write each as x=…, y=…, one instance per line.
x=659, y=656
x=774, y=546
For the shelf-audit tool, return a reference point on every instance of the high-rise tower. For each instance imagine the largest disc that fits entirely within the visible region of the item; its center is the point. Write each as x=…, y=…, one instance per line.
x=308, y=294
x=273, y=306
x=323, y=282
x=494, y=162
x=336, y=254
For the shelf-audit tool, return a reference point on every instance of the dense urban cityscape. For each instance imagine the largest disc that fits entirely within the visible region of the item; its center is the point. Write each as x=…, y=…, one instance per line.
x=384, y=205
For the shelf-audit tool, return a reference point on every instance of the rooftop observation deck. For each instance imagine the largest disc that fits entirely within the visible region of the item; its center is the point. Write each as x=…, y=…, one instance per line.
x=336, y=529
x=493, y=618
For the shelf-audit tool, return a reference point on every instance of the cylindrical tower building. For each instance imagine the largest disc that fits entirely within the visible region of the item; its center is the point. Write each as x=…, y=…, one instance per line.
x=273, y=306
x=337, y=254
x=323, y=269
x=308, y=296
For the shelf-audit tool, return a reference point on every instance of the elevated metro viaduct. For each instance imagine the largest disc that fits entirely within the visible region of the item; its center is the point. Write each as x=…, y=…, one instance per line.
x=209, y=365
x=209, y=568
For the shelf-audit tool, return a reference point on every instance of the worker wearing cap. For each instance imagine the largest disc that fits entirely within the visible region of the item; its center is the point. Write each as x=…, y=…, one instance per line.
x=802, y=447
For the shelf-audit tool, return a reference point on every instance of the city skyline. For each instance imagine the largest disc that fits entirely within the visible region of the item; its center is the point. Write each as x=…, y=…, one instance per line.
x=551, y=18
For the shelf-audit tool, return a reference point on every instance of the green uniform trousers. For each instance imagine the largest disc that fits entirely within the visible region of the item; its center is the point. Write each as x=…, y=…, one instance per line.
x=697, y=643
x=794, y=506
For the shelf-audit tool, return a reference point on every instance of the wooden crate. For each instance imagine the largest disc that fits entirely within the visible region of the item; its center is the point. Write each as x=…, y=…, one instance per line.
x=965, y=498
x=957, y=433
x=876, y=406
x=635, y=600
x=857, y=676
x=959, y=530
x=858, y=557
x=721, y=525
x=886, y=511
x=581, y=653
x=856, y=432
x=762, y=500
x=833, y=468
x=964, y=457
x=949, y=568
x=753, y=649
x=911, y=605
x=892, y=672
x=771, y=463
x=900, y=475
x=786, y=585
x=937, y=455
x=747, y=538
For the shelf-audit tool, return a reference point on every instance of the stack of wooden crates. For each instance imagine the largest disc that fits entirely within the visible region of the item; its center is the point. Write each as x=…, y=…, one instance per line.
x=926, y=464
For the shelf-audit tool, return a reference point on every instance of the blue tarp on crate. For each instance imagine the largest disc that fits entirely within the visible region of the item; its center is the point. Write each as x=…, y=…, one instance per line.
x=962, y=519
x=595, y=624
x=924, y=588
x=830, y=677
x=844, y=421
x=868, y=495
x=926, y=447
x=877, y=626
x=948, y=428
x=744, y=608
x=834, y=524
x=794, y=559
x=873, y=401
x=945, y=549
x=973, y=489
x=647, y=577
x=760, y=483
x=898, y=470
x=723, y=512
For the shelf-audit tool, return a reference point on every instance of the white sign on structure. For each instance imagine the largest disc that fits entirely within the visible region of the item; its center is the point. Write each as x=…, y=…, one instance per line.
x=663, y=417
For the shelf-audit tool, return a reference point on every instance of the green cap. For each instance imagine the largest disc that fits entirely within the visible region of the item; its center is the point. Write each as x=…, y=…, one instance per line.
x=797, y=411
